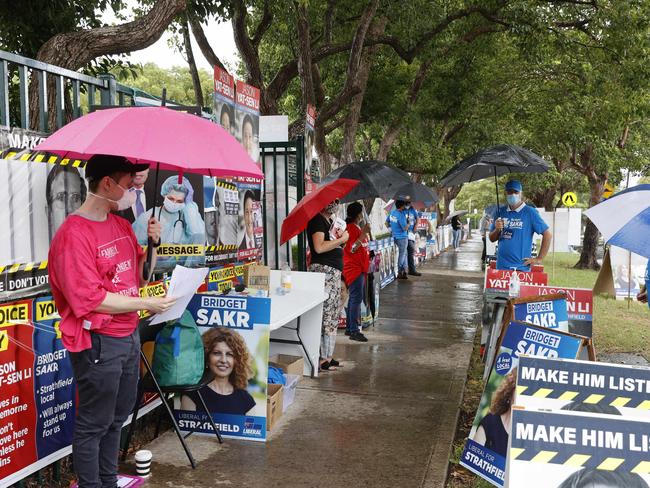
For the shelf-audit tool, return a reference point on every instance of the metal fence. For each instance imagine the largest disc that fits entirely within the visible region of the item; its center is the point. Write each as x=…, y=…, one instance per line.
x=18, y=73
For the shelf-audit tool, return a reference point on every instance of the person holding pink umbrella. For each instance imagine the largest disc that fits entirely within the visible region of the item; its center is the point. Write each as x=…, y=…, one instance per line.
x=96, y=270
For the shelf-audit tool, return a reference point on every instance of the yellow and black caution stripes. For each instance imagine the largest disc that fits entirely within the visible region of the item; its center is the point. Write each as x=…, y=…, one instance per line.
x=41, y=157
x=585, y=397
x=604, y=461
x=226, y=185
x=25, y=267
x=220, y=248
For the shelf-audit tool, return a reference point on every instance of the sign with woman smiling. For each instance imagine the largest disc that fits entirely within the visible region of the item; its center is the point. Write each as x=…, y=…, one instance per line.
x=235, y=332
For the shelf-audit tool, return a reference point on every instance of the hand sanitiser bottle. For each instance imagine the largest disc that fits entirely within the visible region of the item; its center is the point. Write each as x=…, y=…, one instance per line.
x=514, y=285
x=285, y=279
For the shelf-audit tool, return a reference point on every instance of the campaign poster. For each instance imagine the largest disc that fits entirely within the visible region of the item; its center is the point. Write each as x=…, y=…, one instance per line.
x=628, y=271
x=226, y=277
x=579, y=301
x=247, y=117
x=487, y=445
x=41, y=190
x=386, y=250
x=498, y=280
x=551, y=314
x=572, y=449
x=234, y=229
x=177, y=202
x=224, y=99
x=235, y=333
x=570, y=385
x=310, y=122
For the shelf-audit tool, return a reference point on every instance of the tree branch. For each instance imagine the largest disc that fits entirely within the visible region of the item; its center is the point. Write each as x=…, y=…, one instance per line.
x=245, y=45
x=196, y=81
x=265, y=23
x=204, y=45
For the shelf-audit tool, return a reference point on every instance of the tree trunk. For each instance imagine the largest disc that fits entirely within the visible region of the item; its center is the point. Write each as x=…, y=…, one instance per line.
x=585, y=165
x=74, y=50
x=348, y=149
x=196, y=82
x=203, y=43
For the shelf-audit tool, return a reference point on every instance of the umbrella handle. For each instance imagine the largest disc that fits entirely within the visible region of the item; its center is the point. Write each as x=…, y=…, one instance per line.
x=147, y=268
x=496, y=186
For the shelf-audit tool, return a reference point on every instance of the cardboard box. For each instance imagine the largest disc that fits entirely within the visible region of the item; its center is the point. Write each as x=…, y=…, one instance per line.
x=288, y=364
x=273, y=405
x=257, y=277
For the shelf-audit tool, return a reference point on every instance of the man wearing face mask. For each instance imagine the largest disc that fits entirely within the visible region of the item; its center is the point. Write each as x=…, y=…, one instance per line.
x=96, y=268
x=514, y=228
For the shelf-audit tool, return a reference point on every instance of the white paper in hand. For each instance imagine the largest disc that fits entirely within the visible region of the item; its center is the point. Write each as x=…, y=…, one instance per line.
x=182, y=286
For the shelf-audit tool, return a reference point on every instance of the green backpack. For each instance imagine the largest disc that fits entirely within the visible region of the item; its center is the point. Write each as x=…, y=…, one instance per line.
x=178, y=357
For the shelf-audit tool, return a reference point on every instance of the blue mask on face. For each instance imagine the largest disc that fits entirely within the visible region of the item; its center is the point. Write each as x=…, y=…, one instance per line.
x=514, y=199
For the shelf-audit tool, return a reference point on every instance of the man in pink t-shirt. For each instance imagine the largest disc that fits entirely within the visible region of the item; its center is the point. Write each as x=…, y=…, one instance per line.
x=96, y=268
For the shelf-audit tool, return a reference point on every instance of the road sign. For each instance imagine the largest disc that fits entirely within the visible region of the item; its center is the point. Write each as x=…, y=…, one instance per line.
x=569, y=199
x=608, y=191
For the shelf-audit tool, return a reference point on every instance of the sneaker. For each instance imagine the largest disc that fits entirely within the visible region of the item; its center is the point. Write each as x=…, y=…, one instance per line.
x=347, y=332
x=402, y=276
x=415, y=273
x=358, y=336
x=334, y=363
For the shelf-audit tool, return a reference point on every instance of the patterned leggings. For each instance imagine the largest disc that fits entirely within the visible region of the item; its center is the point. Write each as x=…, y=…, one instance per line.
x=331, y=308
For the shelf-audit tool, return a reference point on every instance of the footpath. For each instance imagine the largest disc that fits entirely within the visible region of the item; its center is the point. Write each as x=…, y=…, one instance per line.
x=386, y=418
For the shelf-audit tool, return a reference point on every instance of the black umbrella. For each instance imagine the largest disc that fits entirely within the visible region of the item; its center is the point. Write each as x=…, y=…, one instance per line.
x=377, y=179
x=416, y=192
x=494, y=161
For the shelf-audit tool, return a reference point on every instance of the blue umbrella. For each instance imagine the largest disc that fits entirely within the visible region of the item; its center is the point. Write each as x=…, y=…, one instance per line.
x=624, y=219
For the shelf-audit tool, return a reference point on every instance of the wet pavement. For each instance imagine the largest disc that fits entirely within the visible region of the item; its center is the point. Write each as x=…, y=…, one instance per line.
x=386, y=418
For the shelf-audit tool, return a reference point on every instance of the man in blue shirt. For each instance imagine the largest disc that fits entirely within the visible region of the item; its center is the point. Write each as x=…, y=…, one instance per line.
x=399, y=228
x=411, y=219
x=514, y=228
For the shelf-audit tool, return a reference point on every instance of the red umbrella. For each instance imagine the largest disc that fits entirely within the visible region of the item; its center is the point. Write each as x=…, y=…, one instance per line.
x=313, y=203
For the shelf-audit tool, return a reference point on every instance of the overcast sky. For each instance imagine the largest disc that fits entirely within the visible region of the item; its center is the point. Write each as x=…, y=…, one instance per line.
x=220, y=37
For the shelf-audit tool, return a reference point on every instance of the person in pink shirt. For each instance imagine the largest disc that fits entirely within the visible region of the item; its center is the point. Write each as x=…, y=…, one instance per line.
x=96, y=269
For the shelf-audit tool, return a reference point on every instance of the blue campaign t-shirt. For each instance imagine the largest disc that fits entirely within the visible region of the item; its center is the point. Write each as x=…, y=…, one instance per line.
x=397, y=221
x=412, y=218
x=516, y=239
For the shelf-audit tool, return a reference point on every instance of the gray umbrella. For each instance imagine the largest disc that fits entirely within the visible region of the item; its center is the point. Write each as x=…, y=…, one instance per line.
x=416, y=192
x=492, y=162
x=376, y=179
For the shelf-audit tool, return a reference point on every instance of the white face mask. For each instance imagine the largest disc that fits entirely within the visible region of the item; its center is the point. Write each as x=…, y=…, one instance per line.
x=173, y=207
x=127, y=200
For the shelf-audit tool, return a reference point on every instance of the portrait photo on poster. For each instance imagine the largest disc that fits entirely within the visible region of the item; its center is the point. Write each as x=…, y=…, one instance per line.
x=179, y=208
x=248, y=235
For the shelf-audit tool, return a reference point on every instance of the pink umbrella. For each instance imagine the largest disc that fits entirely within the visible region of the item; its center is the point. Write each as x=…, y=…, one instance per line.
x=160, y=136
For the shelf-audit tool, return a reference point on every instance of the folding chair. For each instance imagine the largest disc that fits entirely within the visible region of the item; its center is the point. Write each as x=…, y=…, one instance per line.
x=148, y=383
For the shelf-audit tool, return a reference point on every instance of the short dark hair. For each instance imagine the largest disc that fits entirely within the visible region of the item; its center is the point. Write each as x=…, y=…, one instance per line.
x=399, y=204
x=247, y=195
x=589, y=477
x=353, y=211
x=56, y=171
x=101, y=165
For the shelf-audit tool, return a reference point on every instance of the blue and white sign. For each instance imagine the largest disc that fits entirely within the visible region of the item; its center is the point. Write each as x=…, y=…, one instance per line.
x=576, y=449
x=235, y=332
x=551, y=314
x=487, y=445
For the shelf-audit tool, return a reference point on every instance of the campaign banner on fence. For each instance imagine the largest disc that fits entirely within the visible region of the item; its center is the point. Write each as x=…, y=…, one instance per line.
x=224, y=99
x=560, y=384
x=499, y=279
x=234, y=227
x=580, y=305
x=571, y=450
x=486, y=447
x=37, y=391
x=247, y=117
x=387, y=252
x=310, y=122
x=236, y=332
x=551, y=314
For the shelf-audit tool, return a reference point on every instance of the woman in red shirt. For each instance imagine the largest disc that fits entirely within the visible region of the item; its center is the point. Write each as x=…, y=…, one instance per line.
x=355, y=266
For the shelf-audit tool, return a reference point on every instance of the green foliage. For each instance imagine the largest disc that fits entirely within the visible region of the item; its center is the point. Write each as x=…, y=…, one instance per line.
x=178, y=81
